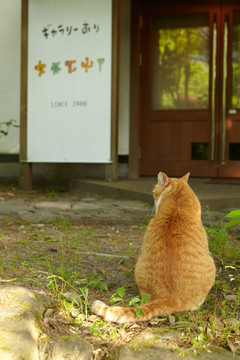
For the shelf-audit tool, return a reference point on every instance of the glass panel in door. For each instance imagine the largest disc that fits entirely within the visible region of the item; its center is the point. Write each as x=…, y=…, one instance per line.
x=235, y=98
x=180, y=62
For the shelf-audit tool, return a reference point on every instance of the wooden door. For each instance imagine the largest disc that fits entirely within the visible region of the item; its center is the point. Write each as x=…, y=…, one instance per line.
x=229, y=130
x=190, y=90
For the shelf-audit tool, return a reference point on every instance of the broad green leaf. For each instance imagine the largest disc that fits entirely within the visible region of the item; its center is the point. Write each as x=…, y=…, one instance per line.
x=135, y=300
x=103, y=286
x=115, y=299
x=233, y=214
x=139, y=312
x=232, y=223
x=145, y=298
x=121, y=291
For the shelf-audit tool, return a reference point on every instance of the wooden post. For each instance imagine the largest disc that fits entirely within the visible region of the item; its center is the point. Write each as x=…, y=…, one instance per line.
x=111, y=170
x=134, y=91
x=25, y=176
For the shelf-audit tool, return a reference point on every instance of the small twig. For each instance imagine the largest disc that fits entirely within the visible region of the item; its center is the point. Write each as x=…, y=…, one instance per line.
x=101, y=254
x=8, y=280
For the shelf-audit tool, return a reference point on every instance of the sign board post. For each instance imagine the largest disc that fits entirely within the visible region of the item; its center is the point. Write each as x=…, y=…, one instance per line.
x=67, y=103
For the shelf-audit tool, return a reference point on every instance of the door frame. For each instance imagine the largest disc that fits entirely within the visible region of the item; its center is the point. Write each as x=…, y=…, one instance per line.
x=133, y=169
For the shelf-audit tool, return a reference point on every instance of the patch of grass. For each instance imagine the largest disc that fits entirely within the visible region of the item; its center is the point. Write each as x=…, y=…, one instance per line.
x=24, y=241
x=1, y=266
x=86, y=233
x=128, y=272
x=144, y=222
x=216, y=323
x=218, y=239
x=51, y=193
x=61, y=223
x=200, y=330
x=221, y=245
x=95, y=282
x=51, y=239
x=106, y=331
x=65, y=271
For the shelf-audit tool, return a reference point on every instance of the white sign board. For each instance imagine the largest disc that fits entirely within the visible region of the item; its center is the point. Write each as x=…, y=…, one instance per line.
x=69, y=81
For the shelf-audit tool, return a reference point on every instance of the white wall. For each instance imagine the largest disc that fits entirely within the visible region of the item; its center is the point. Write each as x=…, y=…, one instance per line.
x=10, y=53
x=124, y=79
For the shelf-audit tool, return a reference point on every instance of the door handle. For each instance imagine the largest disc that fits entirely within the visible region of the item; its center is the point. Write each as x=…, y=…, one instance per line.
x=214, y=53
x=224, y=91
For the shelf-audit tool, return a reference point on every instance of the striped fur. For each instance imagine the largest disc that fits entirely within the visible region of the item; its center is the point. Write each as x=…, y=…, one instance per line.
x=175, y=266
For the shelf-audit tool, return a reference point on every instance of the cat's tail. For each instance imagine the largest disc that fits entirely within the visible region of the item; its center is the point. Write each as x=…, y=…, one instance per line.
x=119, y=314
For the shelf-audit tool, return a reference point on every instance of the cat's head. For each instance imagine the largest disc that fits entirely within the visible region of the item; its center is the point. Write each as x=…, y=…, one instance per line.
x=163, y=181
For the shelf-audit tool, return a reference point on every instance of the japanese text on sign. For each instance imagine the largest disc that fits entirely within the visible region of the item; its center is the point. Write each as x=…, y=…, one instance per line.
x=50, y=30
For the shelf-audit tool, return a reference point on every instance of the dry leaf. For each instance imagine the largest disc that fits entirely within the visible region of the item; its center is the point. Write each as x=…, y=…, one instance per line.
x=93, y=318
x=232, y=347
x=172, y=319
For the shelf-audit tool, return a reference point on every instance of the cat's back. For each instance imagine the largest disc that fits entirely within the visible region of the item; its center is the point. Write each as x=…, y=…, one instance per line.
x=176, y=204
x=178, y=215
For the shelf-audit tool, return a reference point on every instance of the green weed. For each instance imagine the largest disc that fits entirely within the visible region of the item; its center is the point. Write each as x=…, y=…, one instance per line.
x=84, y=293
x=1, y=266
x=5, y=126
x=95, y=282
x=60, y=223
x=24, y=241
x=65, y=271
x=86, y=234
x=51, y=193
x=128, y=272
x=51, y=239
x=117, y=297
x=136, y=301
x=106, y=331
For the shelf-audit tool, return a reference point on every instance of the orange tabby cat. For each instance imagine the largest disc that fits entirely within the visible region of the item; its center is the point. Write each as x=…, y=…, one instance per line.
x=175, y=266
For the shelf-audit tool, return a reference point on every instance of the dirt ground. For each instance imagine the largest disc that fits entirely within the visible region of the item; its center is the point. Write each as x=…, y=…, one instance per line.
x=31, y=250
x=76, y=259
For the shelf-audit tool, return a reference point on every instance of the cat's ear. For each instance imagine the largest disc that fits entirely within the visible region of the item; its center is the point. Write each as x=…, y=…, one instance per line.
x=185, y=177
x=162, y=179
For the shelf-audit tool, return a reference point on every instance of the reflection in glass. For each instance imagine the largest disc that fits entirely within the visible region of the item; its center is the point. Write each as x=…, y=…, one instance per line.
x=236, y=62
x=180, y=72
